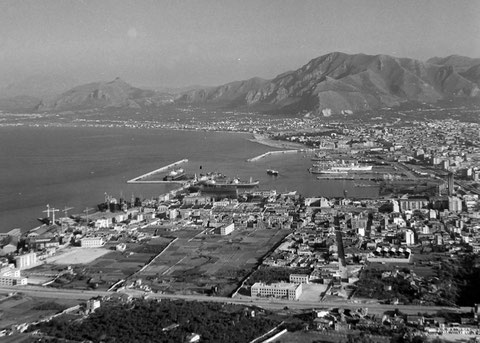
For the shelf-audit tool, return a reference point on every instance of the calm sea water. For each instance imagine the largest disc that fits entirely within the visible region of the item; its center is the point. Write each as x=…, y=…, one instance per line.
x=74, y=167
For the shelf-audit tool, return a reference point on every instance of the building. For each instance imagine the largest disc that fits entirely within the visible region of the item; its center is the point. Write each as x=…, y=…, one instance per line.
x=121, y=247
x=413, y=203
x=91, y=242
x=11, y=276
x=450, y=184
x=454, y=204
x=290, y=291
x=92, y=305
x=410, y=237
x=299, y=278
x=226, y=229
x=26, y=261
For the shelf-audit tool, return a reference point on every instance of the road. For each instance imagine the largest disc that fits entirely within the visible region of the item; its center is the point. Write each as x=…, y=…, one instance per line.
x=273, y=304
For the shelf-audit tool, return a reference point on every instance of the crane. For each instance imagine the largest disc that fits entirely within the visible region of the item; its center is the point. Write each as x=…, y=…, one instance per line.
x=86, y=212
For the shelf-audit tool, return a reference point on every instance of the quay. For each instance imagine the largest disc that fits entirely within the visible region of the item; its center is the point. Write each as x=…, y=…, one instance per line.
x=138, y=179
x=278, y=152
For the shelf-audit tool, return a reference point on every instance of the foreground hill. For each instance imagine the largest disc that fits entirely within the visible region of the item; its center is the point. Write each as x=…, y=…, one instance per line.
x=116, y=93
x=341, y=82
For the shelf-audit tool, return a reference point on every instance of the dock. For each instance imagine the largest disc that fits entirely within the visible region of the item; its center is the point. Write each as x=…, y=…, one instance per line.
x=278, y=152
x=139, y=179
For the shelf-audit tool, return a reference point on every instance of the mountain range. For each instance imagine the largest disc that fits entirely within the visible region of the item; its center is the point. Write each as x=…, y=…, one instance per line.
x=341, y=82
x=332, y=83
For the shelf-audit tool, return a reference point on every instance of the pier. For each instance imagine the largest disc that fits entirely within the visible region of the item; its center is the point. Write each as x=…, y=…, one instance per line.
x=139, y=179
x=278, y=152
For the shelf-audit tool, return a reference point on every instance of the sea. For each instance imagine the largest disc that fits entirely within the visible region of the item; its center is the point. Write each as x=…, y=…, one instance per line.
x=74, y=167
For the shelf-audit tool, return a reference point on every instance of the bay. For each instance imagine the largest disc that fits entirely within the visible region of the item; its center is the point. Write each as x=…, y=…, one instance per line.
x=76, y=166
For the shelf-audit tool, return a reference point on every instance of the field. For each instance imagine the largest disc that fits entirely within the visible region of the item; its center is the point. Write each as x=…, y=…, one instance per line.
x=20, y=309
x=197, y=261
x=102, y=267
x=75, y=255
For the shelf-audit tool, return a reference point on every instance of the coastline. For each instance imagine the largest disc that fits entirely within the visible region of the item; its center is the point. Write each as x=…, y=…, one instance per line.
x=265, y=140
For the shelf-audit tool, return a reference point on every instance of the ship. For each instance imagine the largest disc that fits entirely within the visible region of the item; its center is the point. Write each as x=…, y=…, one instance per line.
x=226, y=185
x=175, y=175
x=272, y=172
x=340, y=168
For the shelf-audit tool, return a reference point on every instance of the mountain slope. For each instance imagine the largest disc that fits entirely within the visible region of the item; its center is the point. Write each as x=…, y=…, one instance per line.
x=116, y=93
x=230, y=94
x=19, y=103
x=459, y=63
x=339, y=82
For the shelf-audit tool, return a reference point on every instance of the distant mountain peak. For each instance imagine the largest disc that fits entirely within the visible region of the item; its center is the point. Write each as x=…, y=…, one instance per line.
x=115, y=93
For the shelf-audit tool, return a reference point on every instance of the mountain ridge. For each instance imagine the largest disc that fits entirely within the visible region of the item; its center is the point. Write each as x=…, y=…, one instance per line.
x=339, y=82
x=116, y=93
x=332, y=83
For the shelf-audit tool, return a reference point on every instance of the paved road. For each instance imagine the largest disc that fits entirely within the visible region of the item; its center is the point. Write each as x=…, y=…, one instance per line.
x=44, y=292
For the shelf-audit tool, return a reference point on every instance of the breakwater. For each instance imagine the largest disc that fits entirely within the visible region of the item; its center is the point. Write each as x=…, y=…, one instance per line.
x=278, y=152
x=140, y=179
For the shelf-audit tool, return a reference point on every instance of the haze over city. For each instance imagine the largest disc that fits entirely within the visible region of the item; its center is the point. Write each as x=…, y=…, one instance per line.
x=172, y=43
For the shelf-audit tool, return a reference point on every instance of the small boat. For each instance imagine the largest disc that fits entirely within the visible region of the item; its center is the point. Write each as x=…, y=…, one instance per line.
x=272, y=172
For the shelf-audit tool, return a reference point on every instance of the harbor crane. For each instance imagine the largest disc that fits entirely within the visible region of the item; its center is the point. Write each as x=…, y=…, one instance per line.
x=51, y=210
x=65, y=213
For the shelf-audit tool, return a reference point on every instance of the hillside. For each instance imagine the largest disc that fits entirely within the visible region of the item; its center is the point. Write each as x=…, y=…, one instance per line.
x=459, y=63
x=116, y=93
x=342, y=82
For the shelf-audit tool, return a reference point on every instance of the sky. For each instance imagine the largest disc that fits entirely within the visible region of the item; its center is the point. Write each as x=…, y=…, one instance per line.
x=163, y=43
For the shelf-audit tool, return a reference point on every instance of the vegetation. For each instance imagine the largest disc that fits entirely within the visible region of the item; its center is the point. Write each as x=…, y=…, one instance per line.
x=270, y=275
x=49, y=306
x=464, y=277
x=151, y=321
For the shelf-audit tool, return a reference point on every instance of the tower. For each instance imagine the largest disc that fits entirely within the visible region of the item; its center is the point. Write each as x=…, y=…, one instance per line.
x=342, y=263
x=450, y=184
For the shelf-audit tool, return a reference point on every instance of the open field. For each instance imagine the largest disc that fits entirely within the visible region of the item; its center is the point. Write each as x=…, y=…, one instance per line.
x=196, y=262
x=100, y=267
x=76, y=255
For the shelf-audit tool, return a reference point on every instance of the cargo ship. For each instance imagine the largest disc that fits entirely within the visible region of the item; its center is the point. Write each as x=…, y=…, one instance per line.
x=226, y=185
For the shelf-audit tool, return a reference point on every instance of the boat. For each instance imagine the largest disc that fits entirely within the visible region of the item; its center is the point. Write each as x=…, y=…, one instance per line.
x=174, y=175
x=227, y=184
x=272, y=172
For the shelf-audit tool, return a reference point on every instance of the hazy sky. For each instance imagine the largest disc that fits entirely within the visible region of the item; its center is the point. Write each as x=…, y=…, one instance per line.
x=178, y=43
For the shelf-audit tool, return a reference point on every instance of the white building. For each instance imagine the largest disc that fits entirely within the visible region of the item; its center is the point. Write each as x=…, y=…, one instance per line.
x=26, y=261
x=291, y=291
x=299, y=278
x=92, y=305
x=11, y=276
x=91, y=242
x=227, y=229
x=409, y=237
x=121, y=247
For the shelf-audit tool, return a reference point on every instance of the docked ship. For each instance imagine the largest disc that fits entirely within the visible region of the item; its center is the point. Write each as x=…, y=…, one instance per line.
x=226, y=185
x=341, y=168
x=175, y=175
